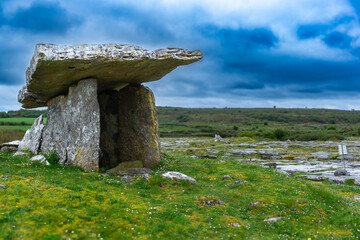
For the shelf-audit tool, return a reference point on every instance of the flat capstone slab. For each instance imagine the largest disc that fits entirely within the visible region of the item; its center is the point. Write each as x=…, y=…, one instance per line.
x=54, y=68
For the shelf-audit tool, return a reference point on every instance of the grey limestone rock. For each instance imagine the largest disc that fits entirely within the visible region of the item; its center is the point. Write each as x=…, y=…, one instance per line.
x=19, y=153
x=272, y=165
x=73, y=126
x=8, y=149
x=11, y=144
x=178, y=176
x=253, y=204
x=237, y=183
x=320, y=155
x=274, y=219
x=341, y=172
x=212, y=203
x=32, y=138
x=53, y=68
x=40, y=158
x=226, y=177
x=126, y=179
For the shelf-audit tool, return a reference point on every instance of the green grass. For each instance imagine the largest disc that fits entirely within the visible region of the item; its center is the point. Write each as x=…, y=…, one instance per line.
x=55, y=202
x=24, y=128
x=18, y=120
x=256, y=123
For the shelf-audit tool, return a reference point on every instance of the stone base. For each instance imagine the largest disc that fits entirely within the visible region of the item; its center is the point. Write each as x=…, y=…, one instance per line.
x=105, y=130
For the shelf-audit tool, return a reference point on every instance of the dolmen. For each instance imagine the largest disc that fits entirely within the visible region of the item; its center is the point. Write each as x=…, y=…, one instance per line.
x=99, y=113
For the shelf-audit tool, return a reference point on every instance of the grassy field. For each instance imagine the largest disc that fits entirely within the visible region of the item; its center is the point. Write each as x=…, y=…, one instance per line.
x=257, y=123
x=55, y=202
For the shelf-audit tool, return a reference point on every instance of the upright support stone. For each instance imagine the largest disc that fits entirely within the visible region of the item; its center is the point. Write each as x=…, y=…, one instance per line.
x=32, y=138
x=73, y=126
x=129, y=127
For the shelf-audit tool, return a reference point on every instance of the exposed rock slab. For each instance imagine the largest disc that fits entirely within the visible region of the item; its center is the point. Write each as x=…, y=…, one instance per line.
x=54, y=68
x=178, y=176
x=73, y=126
x=32, y=138
x=41, y=159
x=11, y=144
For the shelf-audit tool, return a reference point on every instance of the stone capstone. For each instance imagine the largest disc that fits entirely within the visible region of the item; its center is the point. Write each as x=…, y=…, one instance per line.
x=54, y=68
x=73, y=126
x=32, y=138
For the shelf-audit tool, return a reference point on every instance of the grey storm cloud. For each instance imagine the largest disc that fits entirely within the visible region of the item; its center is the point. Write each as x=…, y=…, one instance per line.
x=246, y=52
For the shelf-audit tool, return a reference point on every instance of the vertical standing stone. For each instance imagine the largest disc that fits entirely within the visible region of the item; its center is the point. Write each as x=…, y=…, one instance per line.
x=73, y=126
x=129, y=127
x=32, y=139
x=138, y=137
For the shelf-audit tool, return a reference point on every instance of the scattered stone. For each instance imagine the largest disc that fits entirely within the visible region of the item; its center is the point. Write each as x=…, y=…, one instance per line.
x=253, y=204
x=226, y=177
x=11, y=144
x=3, y=186
x=341, y=172
x=357, y=197
x=138, y=171
x=40, y=158
x=178, y=176
x=242, y=153
x=221, y=161
x=5, y=177
x=121, y=168
x=347, y=157
x=272, y=165
x=126, y=179
x=268, y=155
x=274, y=219
x=20, y=154
x=145, y=176
x=207, y=156
x=218, y=138
x=236, y=183
x=320, y=155
x=8, y=149
x=300, y=158
x=212, y=203
x=32, y=138
x=314, y=177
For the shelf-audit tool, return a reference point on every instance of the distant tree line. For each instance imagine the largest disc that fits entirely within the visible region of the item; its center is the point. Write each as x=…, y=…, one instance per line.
x=23, y=113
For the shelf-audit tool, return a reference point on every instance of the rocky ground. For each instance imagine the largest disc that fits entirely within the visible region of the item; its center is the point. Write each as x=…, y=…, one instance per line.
x=315, y=161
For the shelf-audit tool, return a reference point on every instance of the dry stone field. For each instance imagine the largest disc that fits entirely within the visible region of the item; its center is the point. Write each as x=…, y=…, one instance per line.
x=316, y=161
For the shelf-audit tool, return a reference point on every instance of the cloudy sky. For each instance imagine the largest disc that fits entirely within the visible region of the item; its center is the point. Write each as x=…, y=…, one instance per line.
x=257, y=53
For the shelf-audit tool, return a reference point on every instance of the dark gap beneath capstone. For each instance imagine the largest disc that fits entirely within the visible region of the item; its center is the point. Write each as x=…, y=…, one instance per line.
x=109, y=122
